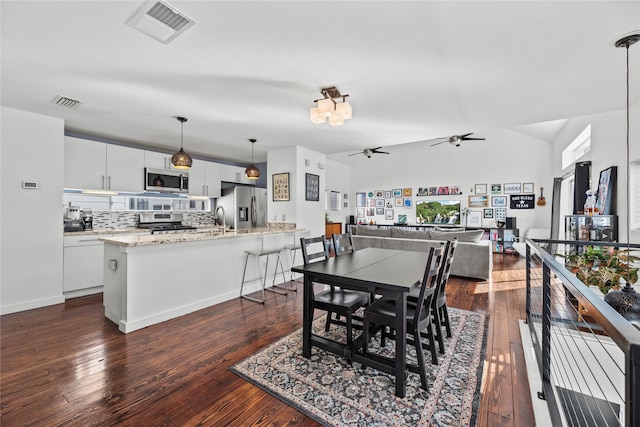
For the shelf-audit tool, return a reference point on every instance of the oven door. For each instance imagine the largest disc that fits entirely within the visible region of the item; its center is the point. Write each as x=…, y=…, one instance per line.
x=166, y=181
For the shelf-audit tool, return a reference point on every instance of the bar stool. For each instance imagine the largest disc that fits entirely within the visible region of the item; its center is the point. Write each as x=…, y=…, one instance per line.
x=293, y=247
x=270, y=245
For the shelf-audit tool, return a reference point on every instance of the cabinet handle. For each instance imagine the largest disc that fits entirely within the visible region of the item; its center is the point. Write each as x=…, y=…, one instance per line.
x=103, y=187
x=204, y=191
x=207, y=190
x=109, y=187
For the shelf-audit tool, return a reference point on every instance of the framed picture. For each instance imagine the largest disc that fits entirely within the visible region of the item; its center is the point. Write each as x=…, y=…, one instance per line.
x=432, y=191
x=402, y=219
x=607, y=190
x=478, y=201
x=312, y=187
x=496, y=188
x=407, y=202
x=387, y=194
x=443, y=191
x=371, y=202
x=397, y=192
x=474, y=219
x=422, y=191
x=280, y=183
x=379, y=194
x=406, y=192
x=513, y=188
x=455, y=190
x=388, y=214
x=498, y=201
x=379, y=203
x=360, y=212
x=487, y=213
x=379, y=211
x=388, y=204
x=523, y=201
x=371, y=211
x=361, y=199
x=500, y=214
x=480, y=189
x=527, y=187
x=370, y=194
x=399, y=203
x=346, y=205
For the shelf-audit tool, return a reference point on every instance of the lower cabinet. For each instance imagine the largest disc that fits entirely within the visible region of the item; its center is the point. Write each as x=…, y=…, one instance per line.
x=83, y=265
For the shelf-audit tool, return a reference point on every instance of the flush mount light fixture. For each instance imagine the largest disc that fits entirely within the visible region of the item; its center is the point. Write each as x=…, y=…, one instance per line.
x=252, y=172
x=181, y=160
x=328, y=108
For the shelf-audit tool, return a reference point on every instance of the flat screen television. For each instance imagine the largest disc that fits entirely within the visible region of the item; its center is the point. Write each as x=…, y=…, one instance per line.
x=438, y=212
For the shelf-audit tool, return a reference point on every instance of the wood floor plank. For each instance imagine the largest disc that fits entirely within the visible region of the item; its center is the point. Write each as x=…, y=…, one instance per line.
x=67, y=365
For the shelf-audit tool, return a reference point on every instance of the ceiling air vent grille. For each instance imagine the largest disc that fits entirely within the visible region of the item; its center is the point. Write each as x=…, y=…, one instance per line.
x=160, y=20
x=65, y=102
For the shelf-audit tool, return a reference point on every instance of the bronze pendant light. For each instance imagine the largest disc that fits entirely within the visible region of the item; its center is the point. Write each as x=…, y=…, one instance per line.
x=181, y=160
x=627, y=301
x=252, y=172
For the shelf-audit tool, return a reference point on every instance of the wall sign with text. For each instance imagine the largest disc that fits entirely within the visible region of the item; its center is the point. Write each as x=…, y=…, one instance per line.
x=522, y=201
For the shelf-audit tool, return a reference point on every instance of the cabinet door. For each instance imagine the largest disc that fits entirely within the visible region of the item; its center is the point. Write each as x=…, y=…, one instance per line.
x=155, y=160
x=212, y=181
x=125, y=168
x=84, y=164
x=229, y=173
x=197, y=178
x=83, y=262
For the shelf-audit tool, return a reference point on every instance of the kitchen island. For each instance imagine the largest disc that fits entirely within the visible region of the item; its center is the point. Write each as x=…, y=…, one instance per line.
x=153, y=278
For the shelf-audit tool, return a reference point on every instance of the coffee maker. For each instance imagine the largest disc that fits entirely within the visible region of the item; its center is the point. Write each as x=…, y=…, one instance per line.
x=73, y=219
x=87, y=219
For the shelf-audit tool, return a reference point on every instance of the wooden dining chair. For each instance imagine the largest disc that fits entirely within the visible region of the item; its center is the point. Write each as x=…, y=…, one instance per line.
x=418, y=315
x=343, y=302
x=342, y=244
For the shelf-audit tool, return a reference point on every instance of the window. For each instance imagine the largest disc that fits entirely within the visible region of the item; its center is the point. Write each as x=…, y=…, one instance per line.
x=578, y=148
x=334, y=202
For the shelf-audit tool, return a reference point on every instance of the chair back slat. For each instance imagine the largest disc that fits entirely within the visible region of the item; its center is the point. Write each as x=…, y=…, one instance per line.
x=429, y=280
x=314, y=249
x=342, y=244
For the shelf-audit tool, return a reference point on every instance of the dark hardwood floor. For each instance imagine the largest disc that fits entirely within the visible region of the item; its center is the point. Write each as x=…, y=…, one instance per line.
x=67, y=365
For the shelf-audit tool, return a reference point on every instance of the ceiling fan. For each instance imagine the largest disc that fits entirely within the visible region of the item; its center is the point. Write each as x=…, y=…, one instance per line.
x=457, y=139
x=369, y=151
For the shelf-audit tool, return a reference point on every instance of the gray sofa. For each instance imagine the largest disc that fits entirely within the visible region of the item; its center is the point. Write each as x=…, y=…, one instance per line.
x=473, y=256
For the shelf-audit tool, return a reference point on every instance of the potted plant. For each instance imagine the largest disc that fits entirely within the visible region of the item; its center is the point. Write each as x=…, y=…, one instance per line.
x=602, y=267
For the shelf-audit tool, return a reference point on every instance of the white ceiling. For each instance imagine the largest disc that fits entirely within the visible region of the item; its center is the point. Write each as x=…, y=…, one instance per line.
x=414, y=70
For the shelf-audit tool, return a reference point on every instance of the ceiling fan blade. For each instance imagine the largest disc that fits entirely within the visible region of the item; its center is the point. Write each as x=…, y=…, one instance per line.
x=465, y=135
x=474, y=139
x=441, y=142
x=376, y=150
x=354, y=154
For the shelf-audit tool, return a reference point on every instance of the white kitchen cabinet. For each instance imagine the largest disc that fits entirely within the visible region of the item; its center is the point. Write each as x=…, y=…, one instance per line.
x=204, y=179
x=236, y=174
x=83, y=271
x=156, y=160
x=98, y=166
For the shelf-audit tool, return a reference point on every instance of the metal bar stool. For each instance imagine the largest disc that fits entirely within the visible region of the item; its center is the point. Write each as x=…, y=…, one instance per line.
x=263, y=277
x=293, y=248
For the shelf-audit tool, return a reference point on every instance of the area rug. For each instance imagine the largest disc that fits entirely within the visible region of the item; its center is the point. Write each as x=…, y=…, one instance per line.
x=326, y=388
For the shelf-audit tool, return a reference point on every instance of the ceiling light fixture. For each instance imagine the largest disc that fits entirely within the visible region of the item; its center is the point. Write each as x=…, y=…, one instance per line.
x=181, y=160
x=327, y=107
x=252, y=172
x=627, y=301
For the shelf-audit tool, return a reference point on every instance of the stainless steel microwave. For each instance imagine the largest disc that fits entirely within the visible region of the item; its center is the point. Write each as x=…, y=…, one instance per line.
x=167, y=181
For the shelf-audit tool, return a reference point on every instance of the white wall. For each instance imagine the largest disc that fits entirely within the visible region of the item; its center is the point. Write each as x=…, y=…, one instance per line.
x=32, y=149
x=504, y=157
x=339, y=179
x=608, y=148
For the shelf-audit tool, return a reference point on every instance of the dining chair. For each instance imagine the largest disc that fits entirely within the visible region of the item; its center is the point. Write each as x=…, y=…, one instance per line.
x=418, y=315
x=343, y=302
x=342, y=244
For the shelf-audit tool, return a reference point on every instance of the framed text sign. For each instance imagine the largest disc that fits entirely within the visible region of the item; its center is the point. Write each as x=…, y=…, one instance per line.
x=523, y=201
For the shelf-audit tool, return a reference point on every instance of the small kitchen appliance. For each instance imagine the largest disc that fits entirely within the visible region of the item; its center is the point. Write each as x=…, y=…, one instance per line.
x=164, y=223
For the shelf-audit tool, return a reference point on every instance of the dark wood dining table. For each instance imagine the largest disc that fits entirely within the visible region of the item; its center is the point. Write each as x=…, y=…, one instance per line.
x=381, y=271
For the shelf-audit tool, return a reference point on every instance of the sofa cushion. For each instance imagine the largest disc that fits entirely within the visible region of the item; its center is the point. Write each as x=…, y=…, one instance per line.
x=473, y=236
x=373, y=231
x=410, y=234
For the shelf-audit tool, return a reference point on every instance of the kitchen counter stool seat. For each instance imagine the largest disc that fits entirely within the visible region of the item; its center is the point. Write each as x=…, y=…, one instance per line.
x=263, y=277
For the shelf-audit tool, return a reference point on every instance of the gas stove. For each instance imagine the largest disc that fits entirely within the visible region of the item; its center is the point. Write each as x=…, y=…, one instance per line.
x=164, y=223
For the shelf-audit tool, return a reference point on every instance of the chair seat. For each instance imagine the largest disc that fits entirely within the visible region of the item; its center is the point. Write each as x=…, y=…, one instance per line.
x=386, y=306
x=342, y=297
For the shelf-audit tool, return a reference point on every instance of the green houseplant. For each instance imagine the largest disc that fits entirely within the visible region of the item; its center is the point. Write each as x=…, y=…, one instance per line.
x=603, y=267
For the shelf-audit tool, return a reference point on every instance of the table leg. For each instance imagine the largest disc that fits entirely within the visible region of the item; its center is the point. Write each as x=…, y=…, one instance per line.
x=307, y=316
x=401, y=342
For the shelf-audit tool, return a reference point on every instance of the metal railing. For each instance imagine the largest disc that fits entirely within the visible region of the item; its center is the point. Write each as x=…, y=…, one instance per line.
x=587, y=353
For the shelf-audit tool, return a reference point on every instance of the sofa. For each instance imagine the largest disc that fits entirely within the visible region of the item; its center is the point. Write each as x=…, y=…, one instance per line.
x=473, y=257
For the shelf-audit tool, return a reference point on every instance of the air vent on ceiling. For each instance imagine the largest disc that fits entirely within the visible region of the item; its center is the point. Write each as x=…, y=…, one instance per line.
x=63, y=101
x=161, y=21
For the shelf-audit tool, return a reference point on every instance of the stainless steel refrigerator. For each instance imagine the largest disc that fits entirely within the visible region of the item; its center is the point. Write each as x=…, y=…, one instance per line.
x=244, y=207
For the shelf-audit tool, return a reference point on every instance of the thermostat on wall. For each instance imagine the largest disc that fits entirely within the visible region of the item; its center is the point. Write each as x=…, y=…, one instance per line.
x=31, y=185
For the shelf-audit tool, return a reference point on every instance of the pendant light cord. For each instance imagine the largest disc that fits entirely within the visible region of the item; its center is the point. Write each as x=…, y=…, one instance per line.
x=628, y=179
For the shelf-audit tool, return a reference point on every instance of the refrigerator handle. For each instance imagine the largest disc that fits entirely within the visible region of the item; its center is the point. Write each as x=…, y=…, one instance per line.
x=254, y=213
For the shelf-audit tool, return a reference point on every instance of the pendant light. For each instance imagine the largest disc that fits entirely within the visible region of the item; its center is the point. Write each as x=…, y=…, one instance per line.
x=252, y=172
x=181, y=160
x=627, y=301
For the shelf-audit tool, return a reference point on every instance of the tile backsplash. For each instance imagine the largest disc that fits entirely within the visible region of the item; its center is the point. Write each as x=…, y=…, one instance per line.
x=103, y=220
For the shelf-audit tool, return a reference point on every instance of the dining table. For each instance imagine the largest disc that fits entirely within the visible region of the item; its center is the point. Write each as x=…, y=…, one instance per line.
x=385, y=272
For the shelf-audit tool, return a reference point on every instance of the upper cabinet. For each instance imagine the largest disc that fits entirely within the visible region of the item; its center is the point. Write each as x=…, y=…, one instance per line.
x=204, y=179
x=95, y=165
x=236, y=174
x=155, y=160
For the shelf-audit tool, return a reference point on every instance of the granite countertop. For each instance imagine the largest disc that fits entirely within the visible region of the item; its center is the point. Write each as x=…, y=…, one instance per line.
x=161, y=239
x=99, y=232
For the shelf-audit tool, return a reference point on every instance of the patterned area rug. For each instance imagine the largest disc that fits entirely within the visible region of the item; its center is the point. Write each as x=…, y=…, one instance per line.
x=329, y=390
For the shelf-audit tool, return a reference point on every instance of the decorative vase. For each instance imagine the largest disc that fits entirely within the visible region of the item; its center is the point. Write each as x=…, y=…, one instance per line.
x=625, y=301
